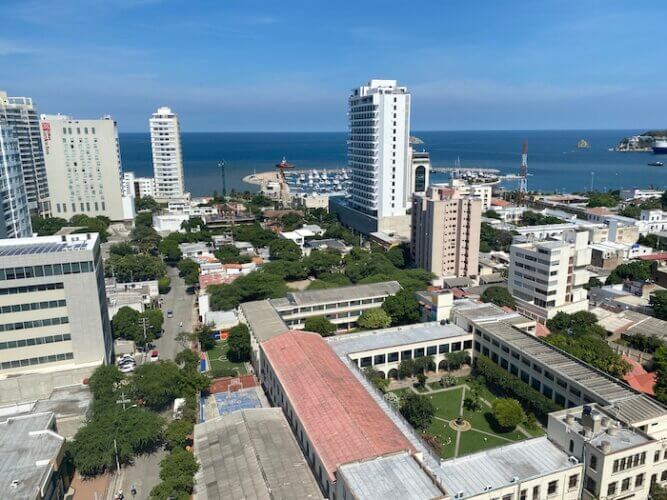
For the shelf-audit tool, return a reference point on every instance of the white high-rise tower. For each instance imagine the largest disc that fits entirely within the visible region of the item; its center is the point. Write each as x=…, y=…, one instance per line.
x=167, y=158
x=378, y=149
x=14, y=213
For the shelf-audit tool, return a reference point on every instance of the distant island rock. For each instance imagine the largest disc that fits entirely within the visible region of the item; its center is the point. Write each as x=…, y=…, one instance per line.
x=583, y=144
x=640, y=143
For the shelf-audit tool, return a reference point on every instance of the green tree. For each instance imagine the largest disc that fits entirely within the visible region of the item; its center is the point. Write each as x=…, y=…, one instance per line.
x=146, y=238
x=456, y=360
x=530, y=218
x=204, y=334
x=376, y=378
x=421, y=380
x=134, y=268
x=143, y=219
x=286, y=269
x=188, y=270
x=158, y=384
x=499, y=295
x=658, y=301
x=321, y=325
x=372, y=319
x=593, y=282
x=169, y=249
x=403, y=308
x=46, y=226
x=282, y=249
x=291, y=221
x=406, y=368
x=494, y=239
x=188, y=359
x=177, y=471
x=646, y=343
x=125, y=325
x=253, y=233
x=146, y=203
x=396, y=256
x=228, y=254
x=491, y=214
x=178, y=433
x=329, y=280
x=608, y=199
x=508, y=412
x=164, y=285
x=91, y=225
x=257, y=285
x=239, y=344
x=418, y=410
x=320, y=263
x=636, y=270
x=122, y=249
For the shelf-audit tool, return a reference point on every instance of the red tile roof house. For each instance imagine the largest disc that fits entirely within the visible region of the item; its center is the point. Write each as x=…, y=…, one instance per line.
x=333, y=417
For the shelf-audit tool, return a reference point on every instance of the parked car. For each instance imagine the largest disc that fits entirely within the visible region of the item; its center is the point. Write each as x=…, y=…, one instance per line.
x=170, y=314
x=154, y=356
x=127, y=368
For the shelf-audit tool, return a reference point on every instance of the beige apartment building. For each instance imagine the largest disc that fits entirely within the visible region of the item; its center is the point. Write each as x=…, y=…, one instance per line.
x=445, y=232
x=53, y=312
x=83, y=168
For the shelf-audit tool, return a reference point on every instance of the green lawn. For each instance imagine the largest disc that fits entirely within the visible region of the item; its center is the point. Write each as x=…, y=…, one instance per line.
x=447, y=403
x=218, y=359
x=472, y=442
x=445, y=434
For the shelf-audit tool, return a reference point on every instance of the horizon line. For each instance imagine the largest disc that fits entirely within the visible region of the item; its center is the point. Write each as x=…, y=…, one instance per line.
x=416, y=131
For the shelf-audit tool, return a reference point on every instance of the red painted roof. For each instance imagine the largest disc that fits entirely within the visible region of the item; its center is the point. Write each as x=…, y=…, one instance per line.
x=497, y=202
x=342, y=421
x=654, y=256
x=541, y=330
x=214, y=279
x=458, y=293
x=639, y=379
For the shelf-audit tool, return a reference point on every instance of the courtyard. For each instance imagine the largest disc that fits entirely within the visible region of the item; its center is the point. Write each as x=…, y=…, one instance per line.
x=479, y=429
x=218, y=361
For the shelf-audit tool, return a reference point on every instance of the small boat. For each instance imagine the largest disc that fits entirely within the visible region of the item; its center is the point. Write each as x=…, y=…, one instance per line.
x=656, y=164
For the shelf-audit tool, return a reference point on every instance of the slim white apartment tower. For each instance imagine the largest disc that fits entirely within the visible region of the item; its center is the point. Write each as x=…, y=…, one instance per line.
x=167, y=157
x=14, y=212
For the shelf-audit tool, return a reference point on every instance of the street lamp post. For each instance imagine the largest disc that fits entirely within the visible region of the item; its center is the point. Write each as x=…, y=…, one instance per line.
x=221, y=166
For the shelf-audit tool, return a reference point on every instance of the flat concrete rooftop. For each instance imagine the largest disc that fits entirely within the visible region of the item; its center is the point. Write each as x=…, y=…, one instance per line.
x=342, y=294
x=263, y=320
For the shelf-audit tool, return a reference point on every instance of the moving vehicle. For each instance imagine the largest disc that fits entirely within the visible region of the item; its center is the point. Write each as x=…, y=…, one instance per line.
x=170, y=314
x=154, y=356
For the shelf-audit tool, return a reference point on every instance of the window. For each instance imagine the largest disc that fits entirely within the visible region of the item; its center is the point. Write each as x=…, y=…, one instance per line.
x=523, y=495
x=591, y=484
x=536, y=492
x=419, y=352
x=379, y=359
x=392, y=357
x=571, y=447
x=431, y=350
x=625, y=484
x=611, y=489
x=406, y=355
x=639, y=480
x=552, y=487
x=573, y=482
x=594, y=462
x=656, y=456
x=443, y=348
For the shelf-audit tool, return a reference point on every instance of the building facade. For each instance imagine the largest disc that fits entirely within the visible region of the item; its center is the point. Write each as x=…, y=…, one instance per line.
x=446, y=232
x=167, y=156
x=420, y=171
x=138, y=187
x=21, y=115
x=483, y=192
x=548, y=277
x=53, y=304
x=15, y=213
x=83, y=168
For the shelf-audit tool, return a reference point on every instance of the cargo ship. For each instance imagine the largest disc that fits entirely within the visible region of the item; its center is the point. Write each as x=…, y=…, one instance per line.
x=660, y=146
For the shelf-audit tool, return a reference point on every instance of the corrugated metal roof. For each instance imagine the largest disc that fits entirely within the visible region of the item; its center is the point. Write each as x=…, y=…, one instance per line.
x=395, y=476
x=251, y=454
x=496, y=468
x=342, y=421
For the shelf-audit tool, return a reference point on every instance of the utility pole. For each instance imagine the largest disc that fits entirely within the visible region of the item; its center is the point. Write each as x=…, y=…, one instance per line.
x=144, y=323
x=221, y=166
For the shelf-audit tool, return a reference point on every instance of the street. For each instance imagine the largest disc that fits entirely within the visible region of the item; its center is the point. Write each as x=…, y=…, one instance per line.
x=144, y=473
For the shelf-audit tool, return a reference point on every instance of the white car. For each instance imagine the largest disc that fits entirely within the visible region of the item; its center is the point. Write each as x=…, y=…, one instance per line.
x=127, y=368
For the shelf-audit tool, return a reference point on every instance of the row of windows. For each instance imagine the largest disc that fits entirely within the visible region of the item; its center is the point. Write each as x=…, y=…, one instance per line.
x=18, y=363
x=33, y=306
x=49, y=339
x=17, y=273
x=552, y=489
x=15, y=290
x=432, y=350
x=625, y=484
x=624, y=463
x=24, y=325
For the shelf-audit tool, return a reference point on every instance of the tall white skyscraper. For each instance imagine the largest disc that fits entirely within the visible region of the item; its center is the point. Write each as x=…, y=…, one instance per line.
x=21, y=115
x=14, y=212
x=378, y=149
x=83, y=168
x=167, y=157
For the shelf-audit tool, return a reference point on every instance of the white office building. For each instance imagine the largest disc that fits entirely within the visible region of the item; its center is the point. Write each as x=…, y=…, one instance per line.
x=83, y=168
x=54, y=315
x=482, y=192
x=547, y=277
x=14, y=214
x=21, y=115
x=167, y=157
x=138, y=187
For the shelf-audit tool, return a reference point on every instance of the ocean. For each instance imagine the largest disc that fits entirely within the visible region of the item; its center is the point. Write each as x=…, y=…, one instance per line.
x=554, y=162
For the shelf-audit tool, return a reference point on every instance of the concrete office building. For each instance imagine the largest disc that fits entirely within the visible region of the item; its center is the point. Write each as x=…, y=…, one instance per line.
x=446, y=232
x=379, y=159
x=548, y=277
x=53, y=307
x=167, y=156
x=138, y=187
x=83, y=168
x=31, y=458
x=21, y=115
x=482, y=192
x=251, y=454
x=14, y=213
x=342, y=306
x=384, y=349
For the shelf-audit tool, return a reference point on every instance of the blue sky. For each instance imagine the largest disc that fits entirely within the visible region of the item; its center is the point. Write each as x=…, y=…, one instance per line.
x=250, y=65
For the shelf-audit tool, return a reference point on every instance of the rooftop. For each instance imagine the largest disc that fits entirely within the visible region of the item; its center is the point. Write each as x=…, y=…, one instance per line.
x=29, y=449
x=605, y=387
x=263, y=320
x=47, y=244
x=354, y=292
x=636, y=409
x=480, y=312
x=395, y=476
x=393, y=337
x=251, y=454
x=342, y=421
x=495, y=468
